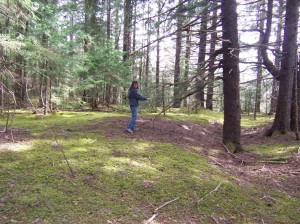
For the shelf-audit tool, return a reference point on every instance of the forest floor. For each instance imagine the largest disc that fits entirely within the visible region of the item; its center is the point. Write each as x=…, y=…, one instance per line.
x=278, y=173
x=267, y=163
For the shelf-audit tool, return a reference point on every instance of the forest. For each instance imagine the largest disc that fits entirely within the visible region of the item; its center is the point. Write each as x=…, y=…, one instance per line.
x=218, y=137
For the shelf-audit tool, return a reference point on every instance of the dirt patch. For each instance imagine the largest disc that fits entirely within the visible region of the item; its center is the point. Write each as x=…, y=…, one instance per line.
x=14, y=135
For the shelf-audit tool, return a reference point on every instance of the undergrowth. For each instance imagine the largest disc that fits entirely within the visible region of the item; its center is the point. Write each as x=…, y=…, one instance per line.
x=120, y=181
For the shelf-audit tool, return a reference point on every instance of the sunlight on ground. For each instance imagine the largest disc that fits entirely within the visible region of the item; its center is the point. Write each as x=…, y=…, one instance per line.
x=12, y=146
x=248, y=121
x=197, y=149
x=143, y=147
x=130, y=162
x=272, y=149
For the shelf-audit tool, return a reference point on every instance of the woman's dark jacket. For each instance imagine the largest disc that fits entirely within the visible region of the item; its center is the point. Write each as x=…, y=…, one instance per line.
x=134, y=97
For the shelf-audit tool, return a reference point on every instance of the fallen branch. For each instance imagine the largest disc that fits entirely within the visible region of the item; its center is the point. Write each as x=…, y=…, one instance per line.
x=209, y=194
x=155, y=213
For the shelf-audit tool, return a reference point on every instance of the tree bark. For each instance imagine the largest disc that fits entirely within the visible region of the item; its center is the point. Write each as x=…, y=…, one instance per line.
x=265, y=42
x=260, y=19
x=187, y=63
x=157, y=68
x=127, y=29
x=274, y=94
x=147, y=68
x=283, y=110
x=231, y=77
x=211, y=69
x=201, y=60
x=177, y=70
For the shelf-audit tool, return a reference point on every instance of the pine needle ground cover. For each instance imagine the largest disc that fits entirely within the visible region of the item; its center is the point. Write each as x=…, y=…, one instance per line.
x=71, y=168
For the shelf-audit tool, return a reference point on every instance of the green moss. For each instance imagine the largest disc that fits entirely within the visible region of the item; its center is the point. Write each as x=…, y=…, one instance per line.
x=275, y=152
x=123, y=181
x=261, y=119
x=202, y=116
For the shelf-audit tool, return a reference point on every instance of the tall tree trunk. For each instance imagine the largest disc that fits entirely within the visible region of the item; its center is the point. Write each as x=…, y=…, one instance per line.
x=200, y=96
x=274, y=94
x=231, y=77
x=148, y=27
x=1, y=88
x=294, y=123
x=19, y=81
x=177, y=69
x=117, y=32
x=211, y=69
x=127, y=29
x=134, y=67
x=298, y=90
x=108, y=86
x=283, y=110
x=20, y=74
x=260, y=19
x=157, y=68
x=187, y=63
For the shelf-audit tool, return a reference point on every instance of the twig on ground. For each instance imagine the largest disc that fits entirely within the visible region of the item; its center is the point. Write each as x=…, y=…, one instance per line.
x=62, y=151
x=155, y=213
x=217, y=163
x=10, y=187
x=259, y=168
x=267, y=197
x=149, y=221
x=275, y=162
x=209, y=194
x=165, y=204
x=297, y=172
x=228, y=150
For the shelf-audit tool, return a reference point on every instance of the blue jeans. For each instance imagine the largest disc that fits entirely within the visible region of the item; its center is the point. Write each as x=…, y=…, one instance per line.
x=134, y=113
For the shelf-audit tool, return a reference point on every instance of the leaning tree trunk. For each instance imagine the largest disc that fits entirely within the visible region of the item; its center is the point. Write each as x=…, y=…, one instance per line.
x=281, y=123
x=231, y=77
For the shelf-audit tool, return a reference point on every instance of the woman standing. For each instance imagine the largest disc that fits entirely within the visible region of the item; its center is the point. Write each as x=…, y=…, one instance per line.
x=134, y=98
